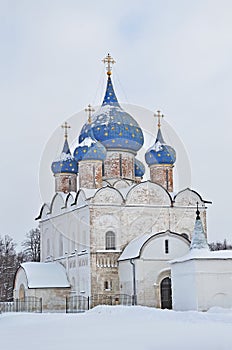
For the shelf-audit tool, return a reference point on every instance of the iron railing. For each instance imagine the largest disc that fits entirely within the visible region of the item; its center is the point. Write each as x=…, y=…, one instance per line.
x=73, y=304
x=80, y=303
x=28, y=304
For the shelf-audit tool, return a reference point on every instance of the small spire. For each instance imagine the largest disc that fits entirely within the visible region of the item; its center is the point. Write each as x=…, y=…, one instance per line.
x=109, y=62
x=199, y=240
x=65, y=126
x=89, y=110
x=158, y=115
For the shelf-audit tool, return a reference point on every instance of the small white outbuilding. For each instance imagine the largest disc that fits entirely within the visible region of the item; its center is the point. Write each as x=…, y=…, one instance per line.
x=201, y=279
x=47, y=281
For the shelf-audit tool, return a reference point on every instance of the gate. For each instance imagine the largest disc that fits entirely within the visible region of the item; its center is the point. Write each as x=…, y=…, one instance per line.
x=116, y=299
x=77, y=303
x=80, y=303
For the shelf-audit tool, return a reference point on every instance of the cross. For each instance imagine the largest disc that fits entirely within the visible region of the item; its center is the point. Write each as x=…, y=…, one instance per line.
x=109, y=61
x=89, y=110
x=158, y=115
x=65, y=126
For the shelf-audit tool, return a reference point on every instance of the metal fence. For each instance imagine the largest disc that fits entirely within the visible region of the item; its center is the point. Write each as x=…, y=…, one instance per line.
x=29, y=304
x=80, y=303
x=73, y=304
x=117, y=299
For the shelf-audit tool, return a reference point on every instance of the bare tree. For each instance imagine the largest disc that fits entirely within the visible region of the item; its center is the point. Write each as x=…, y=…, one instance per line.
x=220, y=245
x=8, y=266
x=31, y=245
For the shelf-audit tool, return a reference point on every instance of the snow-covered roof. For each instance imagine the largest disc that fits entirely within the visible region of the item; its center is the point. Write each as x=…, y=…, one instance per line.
x=132, y=250
x=45, y=275
x=204, y=254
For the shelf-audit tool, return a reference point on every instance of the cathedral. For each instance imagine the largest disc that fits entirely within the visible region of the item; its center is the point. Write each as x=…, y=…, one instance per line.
x=106, y=231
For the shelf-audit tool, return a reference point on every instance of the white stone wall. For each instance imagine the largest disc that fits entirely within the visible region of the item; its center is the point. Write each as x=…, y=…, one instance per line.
x=208, y=281
x=184, y=289
x=66, y=233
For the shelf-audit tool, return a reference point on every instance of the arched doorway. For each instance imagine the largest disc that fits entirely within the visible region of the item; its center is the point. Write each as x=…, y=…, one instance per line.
x=166, y=293
x=21, y=292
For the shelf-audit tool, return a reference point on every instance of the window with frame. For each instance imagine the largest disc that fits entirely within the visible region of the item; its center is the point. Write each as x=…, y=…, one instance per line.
x=108, y=285
x=110, y=240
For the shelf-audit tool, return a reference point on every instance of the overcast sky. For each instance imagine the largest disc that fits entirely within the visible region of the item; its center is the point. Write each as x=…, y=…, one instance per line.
x=171, y=55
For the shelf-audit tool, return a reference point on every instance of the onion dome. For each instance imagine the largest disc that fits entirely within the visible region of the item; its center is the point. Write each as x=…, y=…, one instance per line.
x=160, y=153
x=66, y=162
x=90, y=149
x=111, y=125
x=139, y=168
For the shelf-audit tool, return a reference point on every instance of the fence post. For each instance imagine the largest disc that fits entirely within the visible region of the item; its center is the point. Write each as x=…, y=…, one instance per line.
x=66, y=304
x=41, y=305
x=88, y=303
x=16, y=305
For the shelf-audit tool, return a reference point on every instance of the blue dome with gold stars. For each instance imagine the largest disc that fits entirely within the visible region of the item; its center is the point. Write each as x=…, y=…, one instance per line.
x=65, y=163
x=139, y=168
x=112, y=126
x=160, y=153
x=90, y=149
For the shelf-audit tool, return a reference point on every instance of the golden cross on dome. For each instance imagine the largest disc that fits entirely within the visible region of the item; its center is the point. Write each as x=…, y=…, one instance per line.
x=109, y=62
x=65, y=126
x=89, y=110
x=158, y=115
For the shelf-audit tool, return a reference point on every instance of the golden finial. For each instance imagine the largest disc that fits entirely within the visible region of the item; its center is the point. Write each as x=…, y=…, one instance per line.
x=89, y=110
x=158, y=115
x=65, y=126
x=109, y=62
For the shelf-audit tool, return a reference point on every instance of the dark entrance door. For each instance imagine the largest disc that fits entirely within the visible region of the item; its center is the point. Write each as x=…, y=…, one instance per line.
x=166, y=293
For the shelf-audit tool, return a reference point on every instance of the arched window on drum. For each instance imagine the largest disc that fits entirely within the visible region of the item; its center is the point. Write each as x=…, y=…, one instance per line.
x=110, y=240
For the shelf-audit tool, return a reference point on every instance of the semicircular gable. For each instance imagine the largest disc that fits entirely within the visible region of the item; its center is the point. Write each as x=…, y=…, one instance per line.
x=45, y=209
x=188, y=197
x=148, y=193
x=57, y=203
x=121, y=184
x=154, y=245
x=107, y=195
x=69, y=200
x=80, y=198
x=20, y=278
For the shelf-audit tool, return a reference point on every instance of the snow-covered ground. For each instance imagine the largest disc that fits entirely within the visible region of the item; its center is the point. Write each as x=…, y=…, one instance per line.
x=118, y=327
